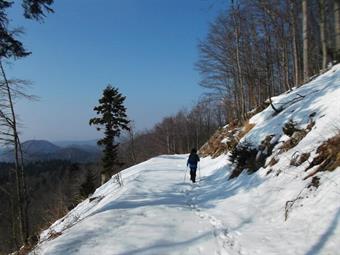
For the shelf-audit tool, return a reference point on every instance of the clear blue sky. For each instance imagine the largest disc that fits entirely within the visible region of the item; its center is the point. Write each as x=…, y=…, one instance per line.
x=147, y=48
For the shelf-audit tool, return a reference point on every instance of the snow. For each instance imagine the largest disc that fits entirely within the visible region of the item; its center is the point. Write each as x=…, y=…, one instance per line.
x=157, y=212
x=154, y=213
x=225, y=140
x=321, y=96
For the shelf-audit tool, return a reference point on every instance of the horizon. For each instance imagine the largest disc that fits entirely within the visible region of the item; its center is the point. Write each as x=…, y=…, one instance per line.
x=128, y=44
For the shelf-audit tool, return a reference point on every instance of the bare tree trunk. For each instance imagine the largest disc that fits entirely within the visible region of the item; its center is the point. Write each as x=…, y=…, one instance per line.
x=238, y=62
x=337, y=29
x=18, y=167
x=285, y=66
x=14, y=224
x=197, y=134
x=168, y=142
x=26, y=200
x=305, y=40
x=294, y=43
x=132, y=145
x=323, y=33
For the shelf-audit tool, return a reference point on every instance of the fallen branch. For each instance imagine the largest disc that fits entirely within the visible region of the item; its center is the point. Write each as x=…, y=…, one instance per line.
x=290, y=203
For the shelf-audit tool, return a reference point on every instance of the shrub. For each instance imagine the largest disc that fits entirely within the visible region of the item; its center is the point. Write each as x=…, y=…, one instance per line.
x=296, y=137
x=243, y=156
x=290, y=127
x=298, y=160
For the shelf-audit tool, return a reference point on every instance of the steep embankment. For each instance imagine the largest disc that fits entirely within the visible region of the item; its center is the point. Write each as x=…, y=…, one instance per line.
x=283, y=197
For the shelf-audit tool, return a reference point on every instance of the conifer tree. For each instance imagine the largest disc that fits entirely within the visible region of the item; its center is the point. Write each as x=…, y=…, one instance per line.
x=113, y=119
x=89, y=186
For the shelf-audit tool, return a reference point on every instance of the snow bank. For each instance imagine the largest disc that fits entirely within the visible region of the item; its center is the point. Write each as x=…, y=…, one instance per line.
x=273, y=211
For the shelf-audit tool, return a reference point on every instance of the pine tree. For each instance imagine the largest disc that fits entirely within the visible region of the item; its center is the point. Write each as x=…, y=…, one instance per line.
x=10, y=46
x=113, y=119
x=89, y=186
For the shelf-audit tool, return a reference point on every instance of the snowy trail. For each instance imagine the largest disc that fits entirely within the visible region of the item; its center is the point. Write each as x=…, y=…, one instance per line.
x=155, y=213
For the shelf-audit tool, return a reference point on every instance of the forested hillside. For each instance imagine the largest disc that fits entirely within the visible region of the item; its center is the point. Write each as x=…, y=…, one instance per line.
x=54, y=188
x=258, y=49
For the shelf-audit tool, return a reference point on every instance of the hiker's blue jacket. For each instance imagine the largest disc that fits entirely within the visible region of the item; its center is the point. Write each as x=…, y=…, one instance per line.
x=193, y=160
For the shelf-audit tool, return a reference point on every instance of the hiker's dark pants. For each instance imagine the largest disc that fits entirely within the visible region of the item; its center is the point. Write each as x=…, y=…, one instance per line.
x=193, y=173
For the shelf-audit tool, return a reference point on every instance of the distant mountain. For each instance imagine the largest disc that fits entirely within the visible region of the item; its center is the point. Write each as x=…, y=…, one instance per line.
x=41, y=150
x=32, y=147
x=71, y=143
x=87, y=145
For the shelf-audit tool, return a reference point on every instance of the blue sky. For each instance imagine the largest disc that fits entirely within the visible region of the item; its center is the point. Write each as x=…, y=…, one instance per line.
x=146, y=48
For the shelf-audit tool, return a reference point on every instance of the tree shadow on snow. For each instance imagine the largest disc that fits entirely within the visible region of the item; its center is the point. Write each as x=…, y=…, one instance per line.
x=73, y=242
x=316, y=248
x=217, y=187
x=169, y=198
x=162, y=246
x=213, y=188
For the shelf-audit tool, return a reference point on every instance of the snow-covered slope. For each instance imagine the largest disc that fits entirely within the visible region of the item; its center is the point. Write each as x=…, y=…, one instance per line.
x=276, y=210
x=154, y=213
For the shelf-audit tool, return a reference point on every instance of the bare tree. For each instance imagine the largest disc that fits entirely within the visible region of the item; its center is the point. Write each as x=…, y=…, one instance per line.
x=10, y=135
x=336, y=9
x=305, y=40
x=294, y=42
x=323, y=33
x=131, y=146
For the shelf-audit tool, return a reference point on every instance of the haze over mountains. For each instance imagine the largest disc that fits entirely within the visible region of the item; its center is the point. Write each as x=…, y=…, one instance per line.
x=41, y=150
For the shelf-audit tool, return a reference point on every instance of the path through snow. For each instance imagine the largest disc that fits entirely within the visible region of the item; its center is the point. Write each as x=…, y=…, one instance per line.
x=154, y=213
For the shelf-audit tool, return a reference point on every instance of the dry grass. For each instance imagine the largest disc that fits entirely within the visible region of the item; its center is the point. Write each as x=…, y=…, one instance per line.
x=29, y=246
x=53, y=235
x=245, y=129
x=233, y=132
x=214, y=147
x=293, y=141
x=273, y=161
x=328, y=158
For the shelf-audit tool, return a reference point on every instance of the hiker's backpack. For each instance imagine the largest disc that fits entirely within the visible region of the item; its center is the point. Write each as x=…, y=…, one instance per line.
x=193, y=159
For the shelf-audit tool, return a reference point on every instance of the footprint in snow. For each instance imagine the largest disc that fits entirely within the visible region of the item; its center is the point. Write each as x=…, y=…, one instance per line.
x=203, y=216
x=213, y=221
x=237, y=233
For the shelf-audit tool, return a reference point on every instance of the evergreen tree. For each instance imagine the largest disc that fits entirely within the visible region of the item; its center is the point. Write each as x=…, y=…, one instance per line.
x=113, y=119
x=89, y=186
x=10, y=46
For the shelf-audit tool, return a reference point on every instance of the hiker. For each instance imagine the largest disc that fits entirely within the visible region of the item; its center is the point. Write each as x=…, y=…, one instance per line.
x=192, y=163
